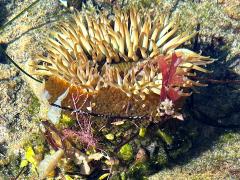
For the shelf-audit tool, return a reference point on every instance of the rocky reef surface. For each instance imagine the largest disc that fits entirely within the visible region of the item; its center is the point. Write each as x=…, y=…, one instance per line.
x=205, y=146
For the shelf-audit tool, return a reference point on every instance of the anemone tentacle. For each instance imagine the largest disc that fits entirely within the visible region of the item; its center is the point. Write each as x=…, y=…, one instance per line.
x=94, y=53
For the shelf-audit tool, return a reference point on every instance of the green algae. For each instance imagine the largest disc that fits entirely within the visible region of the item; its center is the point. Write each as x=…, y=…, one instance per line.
x=66, y=121
x=165, y=137
x=142, y=132
x=160, y=158
x=126, y=152
x=139, y=170
x=34, y=106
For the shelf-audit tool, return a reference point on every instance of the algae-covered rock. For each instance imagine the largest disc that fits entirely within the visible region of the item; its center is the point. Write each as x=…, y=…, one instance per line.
x=18, y=107
x=184, y=147
x=139, y=170
x=231, y=8
x=221, y=161
x=160, y=158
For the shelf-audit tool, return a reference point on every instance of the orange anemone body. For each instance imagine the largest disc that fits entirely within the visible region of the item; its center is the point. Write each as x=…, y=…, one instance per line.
x=108, y=101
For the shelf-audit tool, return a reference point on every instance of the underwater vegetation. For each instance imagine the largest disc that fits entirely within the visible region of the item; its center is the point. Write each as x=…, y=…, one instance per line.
x=107, y=85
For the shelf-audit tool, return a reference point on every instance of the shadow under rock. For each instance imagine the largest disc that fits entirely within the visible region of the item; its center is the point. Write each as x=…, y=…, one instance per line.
x=215, y=109
x=219, y=102
x=3, y=12
x=3, y=15
x=3, y=58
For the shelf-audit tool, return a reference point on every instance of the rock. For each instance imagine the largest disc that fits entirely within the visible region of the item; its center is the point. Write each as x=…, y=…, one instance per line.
x=141, y=155
x=231, y=8
x=160, y=158
x=138, y=170
x=152, y=148
x=22, y=39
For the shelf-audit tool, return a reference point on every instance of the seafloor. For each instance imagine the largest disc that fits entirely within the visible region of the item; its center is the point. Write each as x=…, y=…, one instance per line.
x=211, y=148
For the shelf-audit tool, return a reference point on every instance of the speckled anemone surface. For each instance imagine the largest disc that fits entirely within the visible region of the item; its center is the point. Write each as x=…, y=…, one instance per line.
x=108, y=60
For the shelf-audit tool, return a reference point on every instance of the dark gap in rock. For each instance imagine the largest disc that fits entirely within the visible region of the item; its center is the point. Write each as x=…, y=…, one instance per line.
x=3, y=58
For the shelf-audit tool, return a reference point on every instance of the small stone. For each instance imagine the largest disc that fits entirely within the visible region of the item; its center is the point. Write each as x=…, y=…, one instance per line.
x=151, y=148
x=141, y=155
x=109, y=136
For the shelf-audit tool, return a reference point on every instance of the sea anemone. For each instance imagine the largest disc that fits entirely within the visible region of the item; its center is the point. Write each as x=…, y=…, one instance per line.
x=113, y=61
